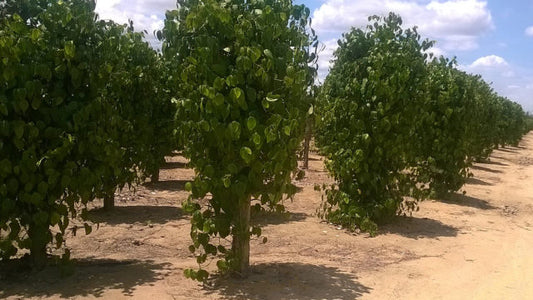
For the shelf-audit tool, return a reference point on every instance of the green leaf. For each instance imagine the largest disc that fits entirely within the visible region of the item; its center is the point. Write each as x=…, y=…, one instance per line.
x=256, y=138
x=251, y=123
x=219, y=99
x=18, y=128
x=272, y=98
x=36, y=103
x=23, y=105
x=88, y=228
x=70, y=50
x=246, y=154
x=287, y=130
x=234, y=130
x=226, y=180
x=54, y=218
x=268, y=53
x=236, y=94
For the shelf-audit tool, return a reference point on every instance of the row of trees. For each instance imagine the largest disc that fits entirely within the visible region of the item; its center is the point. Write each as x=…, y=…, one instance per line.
x=396, y=122
x=83, y=112
x=88, y=107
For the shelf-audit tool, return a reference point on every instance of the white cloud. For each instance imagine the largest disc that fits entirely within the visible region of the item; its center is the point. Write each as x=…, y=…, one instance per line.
x=508, y=80
x=456, y=24
x=529, y=31
x=436, y=51
x=325, y=56
x=146, y=14
x=490, y=61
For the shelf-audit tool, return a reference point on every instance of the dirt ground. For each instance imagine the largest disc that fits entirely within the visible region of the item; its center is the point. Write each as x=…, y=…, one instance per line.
x=477, y=246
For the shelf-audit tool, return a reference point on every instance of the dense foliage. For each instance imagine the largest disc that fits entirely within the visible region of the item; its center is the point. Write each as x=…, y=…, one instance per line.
x=370, y=107
x=396, y=125
x=87, y=107
x=79, y=117
x=243, y=75
x=464, y=121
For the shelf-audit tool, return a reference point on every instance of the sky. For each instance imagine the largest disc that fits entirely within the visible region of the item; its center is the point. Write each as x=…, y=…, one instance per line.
x=493, y=38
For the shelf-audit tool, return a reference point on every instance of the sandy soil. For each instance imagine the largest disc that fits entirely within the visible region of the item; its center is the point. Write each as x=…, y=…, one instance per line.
x=478, y=246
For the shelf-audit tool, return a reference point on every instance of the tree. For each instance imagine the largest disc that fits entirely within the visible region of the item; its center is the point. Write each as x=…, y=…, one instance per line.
x=77, y=111
x=464, y=121
x=369, y=107
x=446, y=129
x=242, y=71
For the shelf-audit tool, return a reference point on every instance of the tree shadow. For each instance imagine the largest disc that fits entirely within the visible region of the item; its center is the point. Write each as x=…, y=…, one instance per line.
x=167, y=185
x=136, y=214
x=264, y=218
x=491, y=162
x=509, y=150
x=476, y=181
x=175, y=153
x=318, y=158
x=174, y=165
x=481, y=168
x=464, y=200
x=91, y=277
x=290, y=281
x=415, y=228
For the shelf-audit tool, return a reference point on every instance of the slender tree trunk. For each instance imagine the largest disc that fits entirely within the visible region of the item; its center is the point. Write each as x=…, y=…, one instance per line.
x=241, y=240
x=39, y=239
x=307, y=141
x=155, y=176
x=109, y=201
x=306, y=151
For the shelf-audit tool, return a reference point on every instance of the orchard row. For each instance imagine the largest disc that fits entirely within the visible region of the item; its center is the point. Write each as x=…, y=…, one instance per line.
x=87, y=107
x=398, y=125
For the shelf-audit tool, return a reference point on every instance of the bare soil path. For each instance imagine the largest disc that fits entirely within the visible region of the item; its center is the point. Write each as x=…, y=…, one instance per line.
x=477, y=246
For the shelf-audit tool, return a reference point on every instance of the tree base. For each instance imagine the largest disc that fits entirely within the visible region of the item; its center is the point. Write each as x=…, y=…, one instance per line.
x=109, y=201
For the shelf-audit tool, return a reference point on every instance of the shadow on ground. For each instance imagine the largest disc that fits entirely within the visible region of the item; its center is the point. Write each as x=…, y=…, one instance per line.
x=481, y=168
x=275, y=218
x=476, y=181
x=136, y=214
x=416, y=228
x=167, y=185
x=174, y=165
x=90, y=277
x=492, y=162
x=510, y=150
x=291, y=281
x=465, y=200
x=176, y=153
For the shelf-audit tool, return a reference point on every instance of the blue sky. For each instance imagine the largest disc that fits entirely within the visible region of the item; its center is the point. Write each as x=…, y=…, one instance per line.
x=491, y=38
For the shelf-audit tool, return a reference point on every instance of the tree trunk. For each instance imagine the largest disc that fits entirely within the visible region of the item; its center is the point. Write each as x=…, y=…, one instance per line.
x=241, y=240
x=155, y=176
x=306, y=151
x=307, y=141
x=39, y=239
x=109, y=201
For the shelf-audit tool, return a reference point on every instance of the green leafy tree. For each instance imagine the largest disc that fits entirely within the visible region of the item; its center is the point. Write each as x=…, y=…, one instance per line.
x=73, y=92
x=41, y=94
x=446, y=130
x=369, y=107
x=463, y=121
x=141, y=115
x=243, y=75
